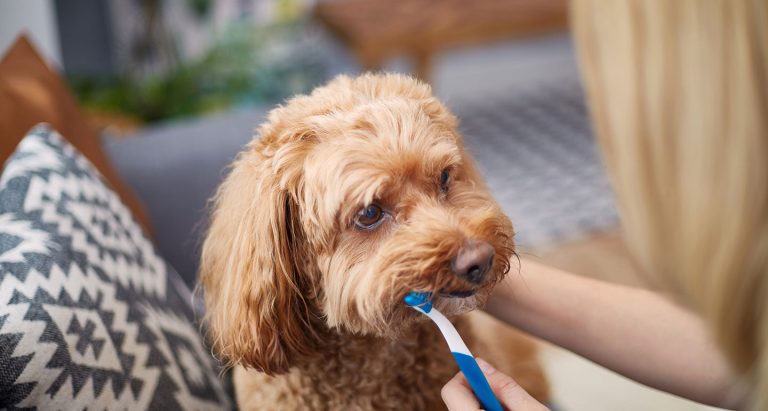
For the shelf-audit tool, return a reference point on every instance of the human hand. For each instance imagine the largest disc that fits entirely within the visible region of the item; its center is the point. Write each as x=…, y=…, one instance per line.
x=458, y=395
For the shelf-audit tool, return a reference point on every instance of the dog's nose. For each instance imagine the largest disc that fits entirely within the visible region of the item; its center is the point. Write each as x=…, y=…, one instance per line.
x=473, y=261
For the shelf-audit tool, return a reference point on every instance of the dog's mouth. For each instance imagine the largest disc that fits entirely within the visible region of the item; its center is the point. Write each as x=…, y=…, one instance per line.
x=458, y=293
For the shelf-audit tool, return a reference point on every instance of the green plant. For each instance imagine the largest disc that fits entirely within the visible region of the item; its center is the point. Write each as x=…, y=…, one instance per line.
x=246, y=65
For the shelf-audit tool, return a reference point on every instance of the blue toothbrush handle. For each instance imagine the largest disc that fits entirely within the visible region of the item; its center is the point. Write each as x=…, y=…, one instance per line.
x=477, y=381
x=421, y=302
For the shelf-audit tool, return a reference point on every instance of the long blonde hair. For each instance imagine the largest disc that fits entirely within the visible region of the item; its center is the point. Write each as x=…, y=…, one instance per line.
x=678, y=92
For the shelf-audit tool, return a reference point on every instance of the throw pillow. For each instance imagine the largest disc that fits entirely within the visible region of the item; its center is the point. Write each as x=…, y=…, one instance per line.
x=91, y=317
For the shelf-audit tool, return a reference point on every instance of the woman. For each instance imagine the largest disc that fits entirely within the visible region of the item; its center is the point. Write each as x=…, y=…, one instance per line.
x=678, y=92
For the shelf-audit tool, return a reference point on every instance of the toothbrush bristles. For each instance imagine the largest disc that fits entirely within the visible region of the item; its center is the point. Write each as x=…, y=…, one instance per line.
x=419, y=299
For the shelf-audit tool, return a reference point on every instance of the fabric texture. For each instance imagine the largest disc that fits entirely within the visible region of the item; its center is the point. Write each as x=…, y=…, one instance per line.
x=91, y=317
x=31, y=93
x=535, y=148
x=175, y=168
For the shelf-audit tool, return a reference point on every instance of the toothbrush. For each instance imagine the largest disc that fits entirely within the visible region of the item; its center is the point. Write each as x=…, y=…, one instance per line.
x=422, y=302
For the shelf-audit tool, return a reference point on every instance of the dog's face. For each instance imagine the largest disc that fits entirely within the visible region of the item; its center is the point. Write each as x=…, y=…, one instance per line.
x=351, y=198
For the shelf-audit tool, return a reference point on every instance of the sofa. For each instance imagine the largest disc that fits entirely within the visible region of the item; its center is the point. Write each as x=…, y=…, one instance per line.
x=174, y=169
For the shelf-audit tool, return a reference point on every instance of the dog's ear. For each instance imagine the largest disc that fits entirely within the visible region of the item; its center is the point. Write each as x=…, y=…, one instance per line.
x=255, y=312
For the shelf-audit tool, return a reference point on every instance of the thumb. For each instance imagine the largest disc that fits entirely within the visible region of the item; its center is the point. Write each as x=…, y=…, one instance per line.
x=508, y=391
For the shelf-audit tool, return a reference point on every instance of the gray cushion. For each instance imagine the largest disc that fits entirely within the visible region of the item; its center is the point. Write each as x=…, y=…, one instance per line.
x=174, y=169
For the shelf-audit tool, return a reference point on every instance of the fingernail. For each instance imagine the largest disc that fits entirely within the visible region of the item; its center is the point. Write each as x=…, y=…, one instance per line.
x=487, y=368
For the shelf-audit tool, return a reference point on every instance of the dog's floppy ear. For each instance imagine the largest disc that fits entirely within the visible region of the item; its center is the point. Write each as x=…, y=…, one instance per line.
x=255, y=313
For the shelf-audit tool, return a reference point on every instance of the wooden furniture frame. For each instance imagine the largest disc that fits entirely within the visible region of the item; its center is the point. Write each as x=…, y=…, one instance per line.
x=376, y=30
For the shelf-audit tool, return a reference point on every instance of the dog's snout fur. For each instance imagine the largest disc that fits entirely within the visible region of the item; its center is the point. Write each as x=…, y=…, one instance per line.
x=473, y=261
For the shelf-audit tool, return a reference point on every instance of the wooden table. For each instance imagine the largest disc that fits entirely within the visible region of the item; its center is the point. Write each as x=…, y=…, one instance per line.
x=376, y=30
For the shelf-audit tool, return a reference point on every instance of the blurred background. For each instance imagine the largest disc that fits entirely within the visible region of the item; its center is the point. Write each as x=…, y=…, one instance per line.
x=176, y=87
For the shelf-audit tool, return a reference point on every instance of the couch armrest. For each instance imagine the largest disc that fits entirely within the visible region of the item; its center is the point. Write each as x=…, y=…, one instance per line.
x=175, y=168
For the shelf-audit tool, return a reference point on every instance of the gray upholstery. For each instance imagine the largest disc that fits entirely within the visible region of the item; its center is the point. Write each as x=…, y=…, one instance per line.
x=535, y=148
x=174, y=169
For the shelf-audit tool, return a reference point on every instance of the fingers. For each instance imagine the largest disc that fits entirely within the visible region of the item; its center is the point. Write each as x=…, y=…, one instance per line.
x=508, y=391
x=457, y=394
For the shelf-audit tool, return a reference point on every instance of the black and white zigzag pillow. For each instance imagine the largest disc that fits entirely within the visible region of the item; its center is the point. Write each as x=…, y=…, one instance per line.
x=90, y=316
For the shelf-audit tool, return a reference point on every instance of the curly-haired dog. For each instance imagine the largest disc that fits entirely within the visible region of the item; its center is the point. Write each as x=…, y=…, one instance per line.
x=349, y=199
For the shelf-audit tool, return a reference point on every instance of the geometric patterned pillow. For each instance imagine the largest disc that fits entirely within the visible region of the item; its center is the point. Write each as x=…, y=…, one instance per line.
x=91, y=317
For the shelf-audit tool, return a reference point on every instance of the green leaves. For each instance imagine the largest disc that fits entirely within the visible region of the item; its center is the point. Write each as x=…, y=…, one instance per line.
x=247, y=65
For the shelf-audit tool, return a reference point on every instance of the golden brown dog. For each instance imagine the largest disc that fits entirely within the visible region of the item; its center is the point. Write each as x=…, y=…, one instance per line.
x=349, y=199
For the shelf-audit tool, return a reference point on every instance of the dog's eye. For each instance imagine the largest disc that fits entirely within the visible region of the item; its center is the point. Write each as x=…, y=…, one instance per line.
x=369, y=217
x=445, y=177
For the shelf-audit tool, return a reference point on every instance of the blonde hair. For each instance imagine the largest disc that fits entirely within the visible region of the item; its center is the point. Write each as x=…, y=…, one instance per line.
x=678, y=94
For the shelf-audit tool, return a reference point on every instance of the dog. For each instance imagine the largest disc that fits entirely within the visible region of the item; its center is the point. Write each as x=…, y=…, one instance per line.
x=348, y=199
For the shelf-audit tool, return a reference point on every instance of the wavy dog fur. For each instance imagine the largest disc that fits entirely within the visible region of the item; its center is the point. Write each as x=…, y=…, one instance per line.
x=295, y=292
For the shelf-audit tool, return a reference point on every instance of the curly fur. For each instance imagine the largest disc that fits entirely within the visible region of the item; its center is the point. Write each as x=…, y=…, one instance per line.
x=308, y=306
